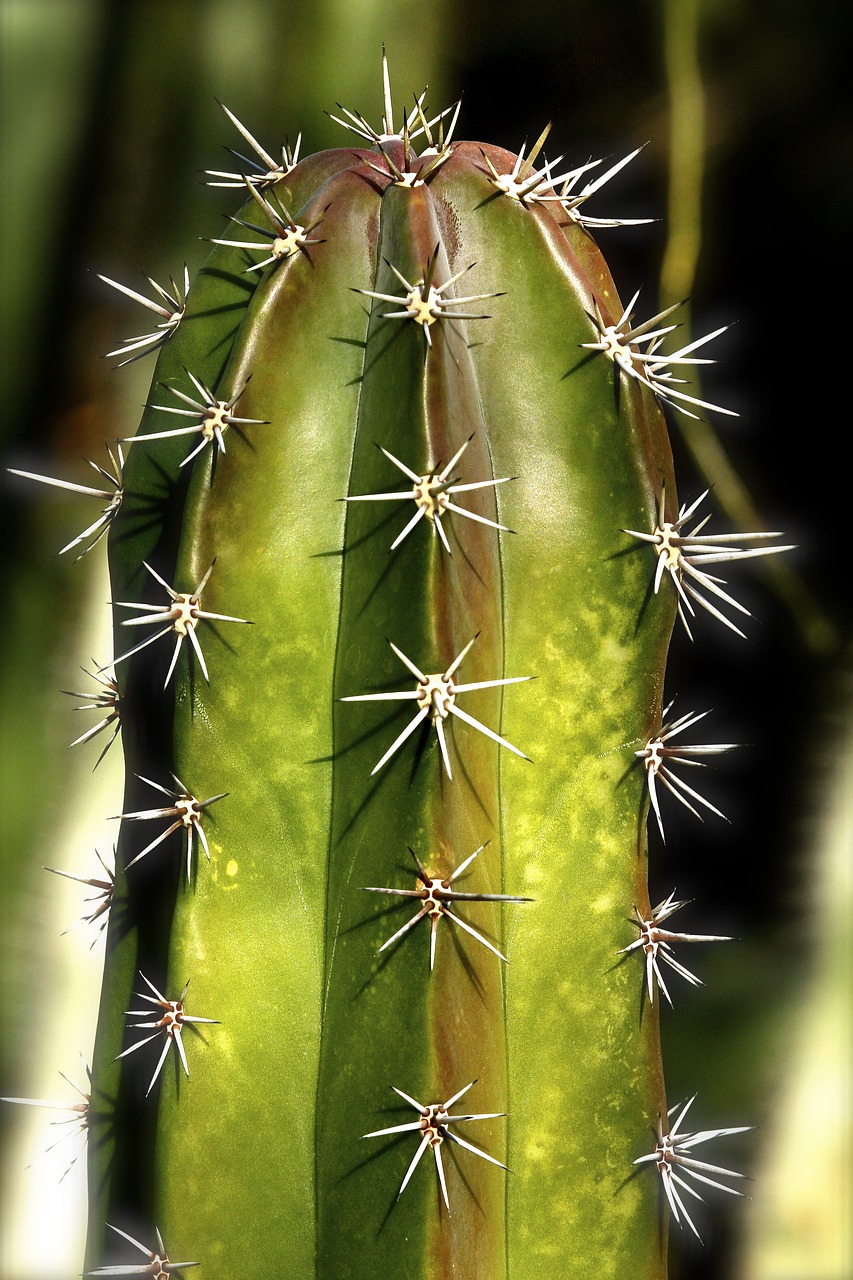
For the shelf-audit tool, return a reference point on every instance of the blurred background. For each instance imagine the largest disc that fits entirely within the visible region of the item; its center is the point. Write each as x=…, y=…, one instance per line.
x=109, y=116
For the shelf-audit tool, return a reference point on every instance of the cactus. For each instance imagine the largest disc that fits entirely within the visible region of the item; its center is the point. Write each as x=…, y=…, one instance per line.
x=351, y=488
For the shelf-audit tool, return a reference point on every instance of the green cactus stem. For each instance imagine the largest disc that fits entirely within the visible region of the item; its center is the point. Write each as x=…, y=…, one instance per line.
x=402, y=424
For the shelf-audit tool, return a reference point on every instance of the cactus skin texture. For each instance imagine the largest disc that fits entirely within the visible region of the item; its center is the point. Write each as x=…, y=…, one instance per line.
x=263, y=1162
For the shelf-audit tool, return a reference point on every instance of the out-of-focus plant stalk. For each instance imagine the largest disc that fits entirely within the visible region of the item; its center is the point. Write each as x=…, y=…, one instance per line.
x=687, y=152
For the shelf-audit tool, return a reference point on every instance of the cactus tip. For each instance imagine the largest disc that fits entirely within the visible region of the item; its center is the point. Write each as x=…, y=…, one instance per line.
x=430, y=494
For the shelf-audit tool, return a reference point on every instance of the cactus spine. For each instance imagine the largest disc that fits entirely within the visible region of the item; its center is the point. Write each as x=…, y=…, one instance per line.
x=343, y=310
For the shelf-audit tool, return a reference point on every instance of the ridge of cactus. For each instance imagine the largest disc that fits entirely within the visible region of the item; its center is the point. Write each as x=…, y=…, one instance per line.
x=404, y=445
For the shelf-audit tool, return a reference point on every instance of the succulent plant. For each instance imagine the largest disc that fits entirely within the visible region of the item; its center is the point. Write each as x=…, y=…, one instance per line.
x=402, y=425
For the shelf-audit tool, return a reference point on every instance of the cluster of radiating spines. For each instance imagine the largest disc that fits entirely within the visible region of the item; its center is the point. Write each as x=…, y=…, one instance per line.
x=261, y=175
x=113, y=495
x=572, y=201
x=412, y=125
x=524, y=182
x=414, y=173
x=185, y=810
x=417, y=169
x=636, y=350
x=431, y=493
x=78, y=1120
x=169, y=1025
x=182, y=614
x=171, y=305
x=282, y=239
x=424, y=301
x=659, y=756
x=158, y=1267
x=102, y=897
x=435, y=696
x=675, y=1162
x=656, y=945
x=211, y=417
x=685, y=555
x=530, y=185
x=433, y=1126
x=434, y=894
x=104, y=698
